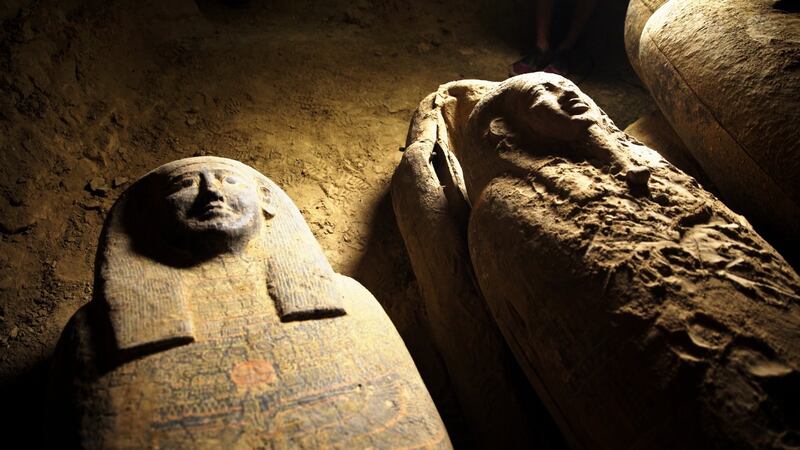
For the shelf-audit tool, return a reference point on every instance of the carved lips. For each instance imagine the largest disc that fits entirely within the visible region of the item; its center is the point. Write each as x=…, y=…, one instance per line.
x=573, y=104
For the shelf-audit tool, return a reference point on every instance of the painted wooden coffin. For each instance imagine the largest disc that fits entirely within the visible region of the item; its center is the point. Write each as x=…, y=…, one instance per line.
x=217, y=322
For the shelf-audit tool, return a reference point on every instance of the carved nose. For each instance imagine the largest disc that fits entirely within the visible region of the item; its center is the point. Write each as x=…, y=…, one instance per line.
x=568, y=95
x=211, y=188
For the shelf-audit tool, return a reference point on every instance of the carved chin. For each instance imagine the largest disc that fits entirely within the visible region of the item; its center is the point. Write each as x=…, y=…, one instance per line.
x=582, y=122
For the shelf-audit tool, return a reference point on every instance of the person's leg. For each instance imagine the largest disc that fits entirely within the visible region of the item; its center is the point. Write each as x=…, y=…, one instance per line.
x=583, y=10
x=544, y=18
x=562, y=58
x=540, y=56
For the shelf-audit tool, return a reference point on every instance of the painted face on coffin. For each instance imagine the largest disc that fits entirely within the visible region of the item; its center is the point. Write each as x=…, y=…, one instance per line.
x=211, y=204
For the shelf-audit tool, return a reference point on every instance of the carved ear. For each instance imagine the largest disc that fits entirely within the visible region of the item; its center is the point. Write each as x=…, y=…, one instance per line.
x=144, y=298
x=267, y=200
x=301, y=281
x=498, y=127
x=490, y=119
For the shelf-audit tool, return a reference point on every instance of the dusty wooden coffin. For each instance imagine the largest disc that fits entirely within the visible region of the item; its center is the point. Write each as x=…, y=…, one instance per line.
x=217, y=322
x=429, y=198
x=636, y=17
x=726, y=75
x=646, y=314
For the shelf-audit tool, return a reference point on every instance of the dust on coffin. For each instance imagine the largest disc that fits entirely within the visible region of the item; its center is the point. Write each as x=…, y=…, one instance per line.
x=642, y=309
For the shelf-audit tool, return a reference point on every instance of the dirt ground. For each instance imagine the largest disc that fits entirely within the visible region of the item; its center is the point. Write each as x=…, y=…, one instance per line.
x=316, y=95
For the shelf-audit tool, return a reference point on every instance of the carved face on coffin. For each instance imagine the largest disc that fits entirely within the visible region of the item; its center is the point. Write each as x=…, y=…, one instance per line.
x=555, y=109
x=191, y=212
x=212, y=201
x=211, y=206
x=529, y=117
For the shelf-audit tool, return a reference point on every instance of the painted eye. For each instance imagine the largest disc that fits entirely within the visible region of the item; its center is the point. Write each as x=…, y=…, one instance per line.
x=186, y=182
